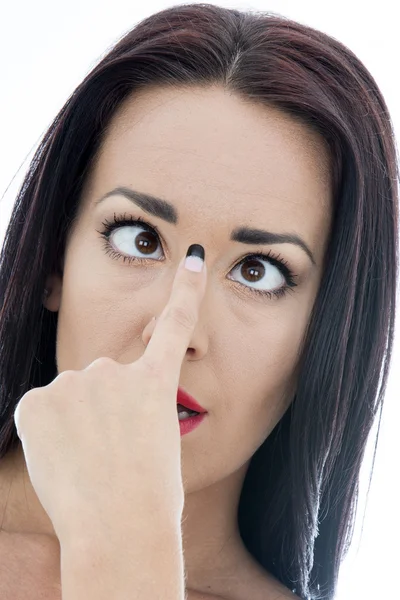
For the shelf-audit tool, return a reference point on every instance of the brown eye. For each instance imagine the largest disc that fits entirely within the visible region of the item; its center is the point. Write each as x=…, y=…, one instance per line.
x=252, y=270
x=261, y=272
x=136, y=242
x=146, y=242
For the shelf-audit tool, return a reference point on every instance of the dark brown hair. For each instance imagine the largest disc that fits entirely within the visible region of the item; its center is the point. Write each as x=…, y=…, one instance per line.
x=298, y=501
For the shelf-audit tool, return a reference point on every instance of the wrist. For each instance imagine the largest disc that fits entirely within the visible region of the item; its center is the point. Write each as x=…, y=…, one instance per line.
x=102, y=527
x=123, y=563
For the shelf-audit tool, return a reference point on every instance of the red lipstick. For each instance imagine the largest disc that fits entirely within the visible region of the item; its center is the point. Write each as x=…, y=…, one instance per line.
x=188, y=402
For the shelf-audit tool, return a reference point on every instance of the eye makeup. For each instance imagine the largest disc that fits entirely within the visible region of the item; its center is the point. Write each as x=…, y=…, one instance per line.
x=124, y=220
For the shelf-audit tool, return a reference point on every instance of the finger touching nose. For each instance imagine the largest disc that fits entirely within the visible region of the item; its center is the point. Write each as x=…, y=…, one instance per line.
x=174, y=328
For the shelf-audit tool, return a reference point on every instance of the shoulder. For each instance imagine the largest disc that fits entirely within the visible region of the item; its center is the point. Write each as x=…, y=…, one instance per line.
x=253, y=581
x=267, y=587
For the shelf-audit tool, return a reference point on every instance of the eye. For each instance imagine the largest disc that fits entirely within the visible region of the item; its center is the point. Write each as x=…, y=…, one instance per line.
x=264, y=274
x=131, y=239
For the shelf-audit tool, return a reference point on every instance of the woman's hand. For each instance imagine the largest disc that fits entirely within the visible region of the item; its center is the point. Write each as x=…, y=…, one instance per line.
x=103, y=444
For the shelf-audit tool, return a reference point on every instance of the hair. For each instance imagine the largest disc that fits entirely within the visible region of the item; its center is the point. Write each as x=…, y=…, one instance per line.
x=298, y=502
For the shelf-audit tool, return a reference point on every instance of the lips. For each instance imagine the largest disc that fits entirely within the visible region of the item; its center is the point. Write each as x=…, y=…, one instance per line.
x=188, y=401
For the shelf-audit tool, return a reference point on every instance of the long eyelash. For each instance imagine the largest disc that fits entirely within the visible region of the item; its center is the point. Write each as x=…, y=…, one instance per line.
x=120, y=221
x=276, y=260
x=283, y=267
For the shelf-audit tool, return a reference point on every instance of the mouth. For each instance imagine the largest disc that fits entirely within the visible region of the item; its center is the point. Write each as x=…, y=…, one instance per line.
x=187, y=404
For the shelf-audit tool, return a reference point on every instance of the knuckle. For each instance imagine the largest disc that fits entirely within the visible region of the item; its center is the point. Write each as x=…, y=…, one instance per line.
x=65, y=379
x=24, y=405
x=67, y=375
x=190, y=284
x=103, y=362
x=183, y=317
x=32, y=395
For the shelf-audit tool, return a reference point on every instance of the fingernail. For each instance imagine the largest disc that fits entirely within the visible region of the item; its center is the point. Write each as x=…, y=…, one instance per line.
x=195, y=258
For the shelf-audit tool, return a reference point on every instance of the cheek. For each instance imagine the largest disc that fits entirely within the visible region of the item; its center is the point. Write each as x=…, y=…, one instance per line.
x=260, y=371
x=90, y=327
x=264, y=349
x=101, y=312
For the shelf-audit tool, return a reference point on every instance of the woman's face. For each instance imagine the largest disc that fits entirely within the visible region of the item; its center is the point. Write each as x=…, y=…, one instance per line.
x=217, y=165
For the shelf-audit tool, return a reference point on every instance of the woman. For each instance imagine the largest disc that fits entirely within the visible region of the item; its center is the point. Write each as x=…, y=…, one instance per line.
x=267, y=145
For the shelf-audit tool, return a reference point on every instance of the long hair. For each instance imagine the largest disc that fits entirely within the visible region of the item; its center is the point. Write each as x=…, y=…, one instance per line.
x=297, y=506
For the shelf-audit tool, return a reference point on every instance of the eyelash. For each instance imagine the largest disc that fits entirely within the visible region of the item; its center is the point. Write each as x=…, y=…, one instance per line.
x=123, y=220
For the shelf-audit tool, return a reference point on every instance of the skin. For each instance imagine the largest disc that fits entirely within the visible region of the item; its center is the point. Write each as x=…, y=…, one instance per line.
x=223, y=163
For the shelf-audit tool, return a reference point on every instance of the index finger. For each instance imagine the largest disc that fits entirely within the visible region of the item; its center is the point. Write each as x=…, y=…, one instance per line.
x=174, y=328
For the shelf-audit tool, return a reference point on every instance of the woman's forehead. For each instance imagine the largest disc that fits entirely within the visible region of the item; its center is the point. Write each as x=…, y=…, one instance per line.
x=210, y=152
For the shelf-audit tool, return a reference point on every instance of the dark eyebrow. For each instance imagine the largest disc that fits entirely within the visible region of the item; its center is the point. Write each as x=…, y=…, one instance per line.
x=246, y=235
x=260, y=236
x=155, y=206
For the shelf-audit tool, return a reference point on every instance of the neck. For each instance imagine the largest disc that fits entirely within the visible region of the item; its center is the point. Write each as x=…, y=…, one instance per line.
x=210, y=536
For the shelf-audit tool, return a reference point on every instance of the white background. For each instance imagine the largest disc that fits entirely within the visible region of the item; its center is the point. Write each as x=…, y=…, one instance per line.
x=47, y=47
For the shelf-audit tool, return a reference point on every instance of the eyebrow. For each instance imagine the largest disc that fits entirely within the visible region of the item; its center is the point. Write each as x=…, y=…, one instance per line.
x=166, y=211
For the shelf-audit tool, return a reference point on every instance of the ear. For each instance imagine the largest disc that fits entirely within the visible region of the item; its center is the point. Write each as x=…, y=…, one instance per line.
x=53, y=299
